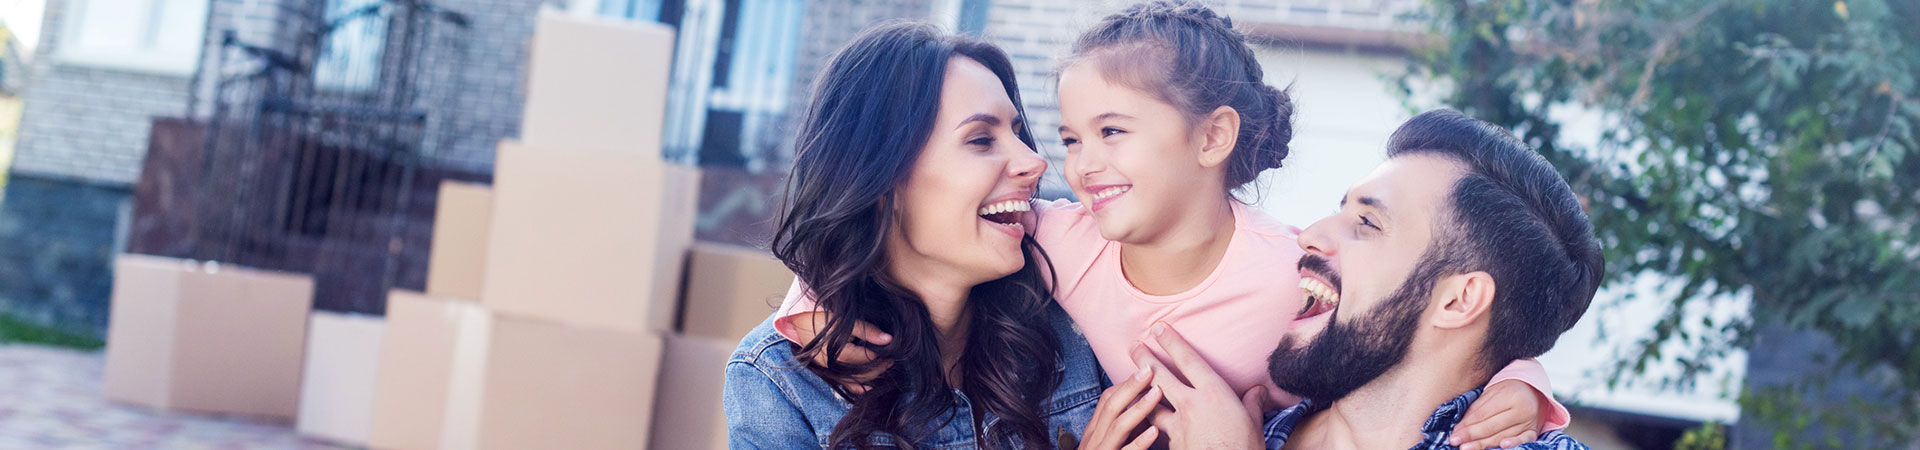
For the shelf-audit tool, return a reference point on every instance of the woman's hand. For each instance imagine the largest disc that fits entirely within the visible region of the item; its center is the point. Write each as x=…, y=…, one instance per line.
x=808, y=325
x=1122, y=408
x=1507, y=415
x=1207, y=414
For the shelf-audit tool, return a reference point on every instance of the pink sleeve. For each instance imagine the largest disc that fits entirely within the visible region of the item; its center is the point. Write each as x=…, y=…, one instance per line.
x=798, y=301
x=1072, y=241
x=1046, y=230
x=1530, y=371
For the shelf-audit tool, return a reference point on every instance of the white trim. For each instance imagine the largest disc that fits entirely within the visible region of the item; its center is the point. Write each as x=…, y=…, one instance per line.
x=145, y=48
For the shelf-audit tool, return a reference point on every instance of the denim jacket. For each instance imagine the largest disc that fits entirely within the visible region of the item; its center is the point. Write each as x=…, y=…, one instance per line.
x=774, y=402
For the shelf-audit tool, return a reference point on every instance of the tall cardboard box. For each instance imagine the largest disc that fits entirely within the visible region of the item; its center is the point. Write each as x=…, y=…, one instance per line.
x=597, y=85
x=688, y=414
x=433, y=348
x=457, y=263
x=549, y=385
x=730, y=290
x=343, y=361
x=206, y=337
x=589, y=239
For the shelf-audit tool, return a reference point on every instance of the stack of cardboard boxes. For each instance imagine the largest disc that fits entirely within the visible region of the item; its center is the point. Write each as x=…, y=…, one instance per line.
x=729, y=291
x=566, y=306
x=550, y=317
x=574, y=254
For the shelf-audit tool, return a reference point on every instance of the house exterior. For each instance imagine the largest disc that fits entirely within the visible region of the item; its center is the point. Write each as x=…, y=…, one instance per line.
x=89, y=98
x=105, y=69
x=101, y=75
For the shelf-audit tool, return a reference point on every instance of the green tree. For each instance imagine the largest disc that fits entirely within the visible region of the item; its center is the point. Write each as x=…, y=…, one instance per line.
x=1759, y=149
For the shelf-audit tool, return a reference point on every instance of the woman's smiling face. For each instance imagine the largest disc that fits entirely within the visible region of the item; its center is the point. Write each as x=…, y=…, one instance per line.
x=958, y=210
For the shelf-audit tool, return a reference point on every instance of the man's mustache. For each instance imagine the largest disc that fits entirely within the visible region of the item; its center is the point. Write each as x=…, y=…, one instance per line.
x=1319, y=266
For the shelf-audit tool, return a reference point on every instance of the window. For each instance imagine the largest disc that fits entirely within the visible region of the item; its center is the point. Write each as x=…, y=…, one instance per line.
x=155, y=36
x=350, y=61
x=632, y=9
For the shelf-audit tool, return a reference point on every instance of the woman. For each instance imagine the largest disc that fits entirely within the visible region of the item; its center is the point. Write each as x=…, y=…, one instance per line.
x=912, y=174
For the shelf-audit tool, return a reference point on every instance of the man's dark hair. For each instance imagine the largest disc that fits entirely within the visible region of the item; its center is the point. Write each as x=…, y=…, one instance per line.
x=1515, y=218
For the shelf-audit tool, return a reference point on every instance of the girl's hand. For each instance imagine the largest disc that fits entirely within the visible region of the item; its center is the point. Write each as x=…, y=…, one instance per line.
x=1207, y=414
x=1507, y=415
x=808, y=325
x=1121, y=410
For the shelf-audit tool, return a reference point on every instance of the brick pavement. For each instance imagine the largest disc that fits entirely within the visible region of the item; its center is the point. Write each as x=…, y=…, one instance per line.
x=50, y=398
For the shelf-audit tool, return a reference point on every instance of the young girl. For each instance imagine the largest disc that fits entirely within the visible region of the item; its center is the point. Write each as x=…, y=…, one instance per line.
x=1165, y=116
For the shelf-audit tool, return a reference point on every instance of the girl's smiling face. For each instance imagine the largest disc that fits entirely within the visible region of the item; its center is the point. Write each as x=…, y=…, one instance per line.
x=1132, y=158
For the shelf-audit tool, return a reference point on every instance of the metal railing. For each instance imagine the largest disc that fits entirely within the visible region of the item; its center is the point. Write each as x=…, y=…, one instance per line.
x=313, y=157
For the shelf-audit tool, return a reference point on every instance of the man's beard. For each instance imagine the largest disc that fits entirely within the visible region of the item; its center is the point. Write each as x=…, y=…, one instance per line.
x=1345, y=357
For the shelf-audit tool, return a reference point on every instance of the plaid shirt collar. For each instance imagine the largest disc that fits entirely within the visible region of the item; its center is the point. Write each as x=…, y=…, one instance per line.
x=1434, y=433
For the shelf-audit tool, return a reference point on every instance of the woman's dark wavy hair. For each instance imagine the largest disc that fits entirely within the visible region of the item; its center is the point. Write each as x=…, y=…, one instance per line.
x=1193, y=59
x=872, y=111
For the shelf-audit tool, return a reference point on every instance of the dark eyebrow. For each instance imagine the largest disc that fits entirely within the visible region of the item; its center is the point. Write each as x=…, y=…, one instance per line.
x=989, y=119
x=1369, y=201
x=1106, y=116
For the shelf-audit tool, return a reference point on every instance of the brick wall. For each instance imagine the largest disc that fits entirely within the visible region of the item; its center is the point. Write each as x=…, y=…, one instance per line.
x=253, y=22
x=829, y=25
x=1036, y=34
x=475, y=87
x=91, y=123
x=88, y=123
x=471, y=79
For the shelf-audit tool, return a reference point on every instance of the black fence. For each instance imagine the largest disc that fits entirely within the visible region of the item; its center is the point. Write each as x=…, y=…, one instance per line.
x=312, y=159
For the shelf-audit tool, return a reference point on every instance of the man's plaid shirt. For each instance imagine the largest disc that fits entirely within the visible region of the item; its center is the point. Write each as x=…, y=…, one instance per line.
x=1435, y=432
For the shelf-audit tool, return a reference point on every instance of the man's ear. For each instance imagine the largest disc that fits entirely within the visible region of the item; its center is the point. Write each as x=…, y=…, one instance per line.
x=1220, y=131
x=1463, y=299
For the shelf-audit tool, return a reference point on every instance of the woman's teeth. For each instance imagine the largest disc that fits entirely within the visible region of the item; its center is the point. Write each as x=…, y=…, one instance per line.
x=1316, y=289
x=1006, y=206
x=1109, y=192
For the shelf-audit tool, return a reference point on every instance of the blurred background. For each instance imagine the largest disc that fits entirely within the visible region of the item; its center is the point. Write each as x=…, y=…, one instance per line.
x=1750, y=165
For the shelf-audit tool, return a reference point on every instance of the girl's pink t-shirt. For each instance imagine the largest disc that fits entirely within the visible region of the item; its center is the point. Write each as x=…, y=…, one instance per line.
x=1234, y=319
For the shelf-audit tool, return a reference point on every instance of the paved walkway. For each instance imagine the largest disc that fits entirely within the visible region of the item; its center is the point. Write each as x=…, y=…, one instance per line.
x=50, y=398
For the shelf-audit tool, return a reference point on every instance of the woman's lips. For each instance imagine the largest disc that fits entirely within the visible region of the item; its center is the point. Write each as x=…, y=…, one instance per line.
x=1005, y=214
x=1012, y=229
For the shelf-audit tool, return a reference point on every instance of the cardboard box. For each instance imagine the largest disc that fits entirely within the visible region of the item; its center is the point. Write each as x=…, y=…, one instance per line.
x=457, y=264
x=456, y=376
x=688, y=414
x=206, y=337
x=730, y=290
x=428, y=342
x=597, y=85
x=589, y=239
x=549, y=385
x=343, y=361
